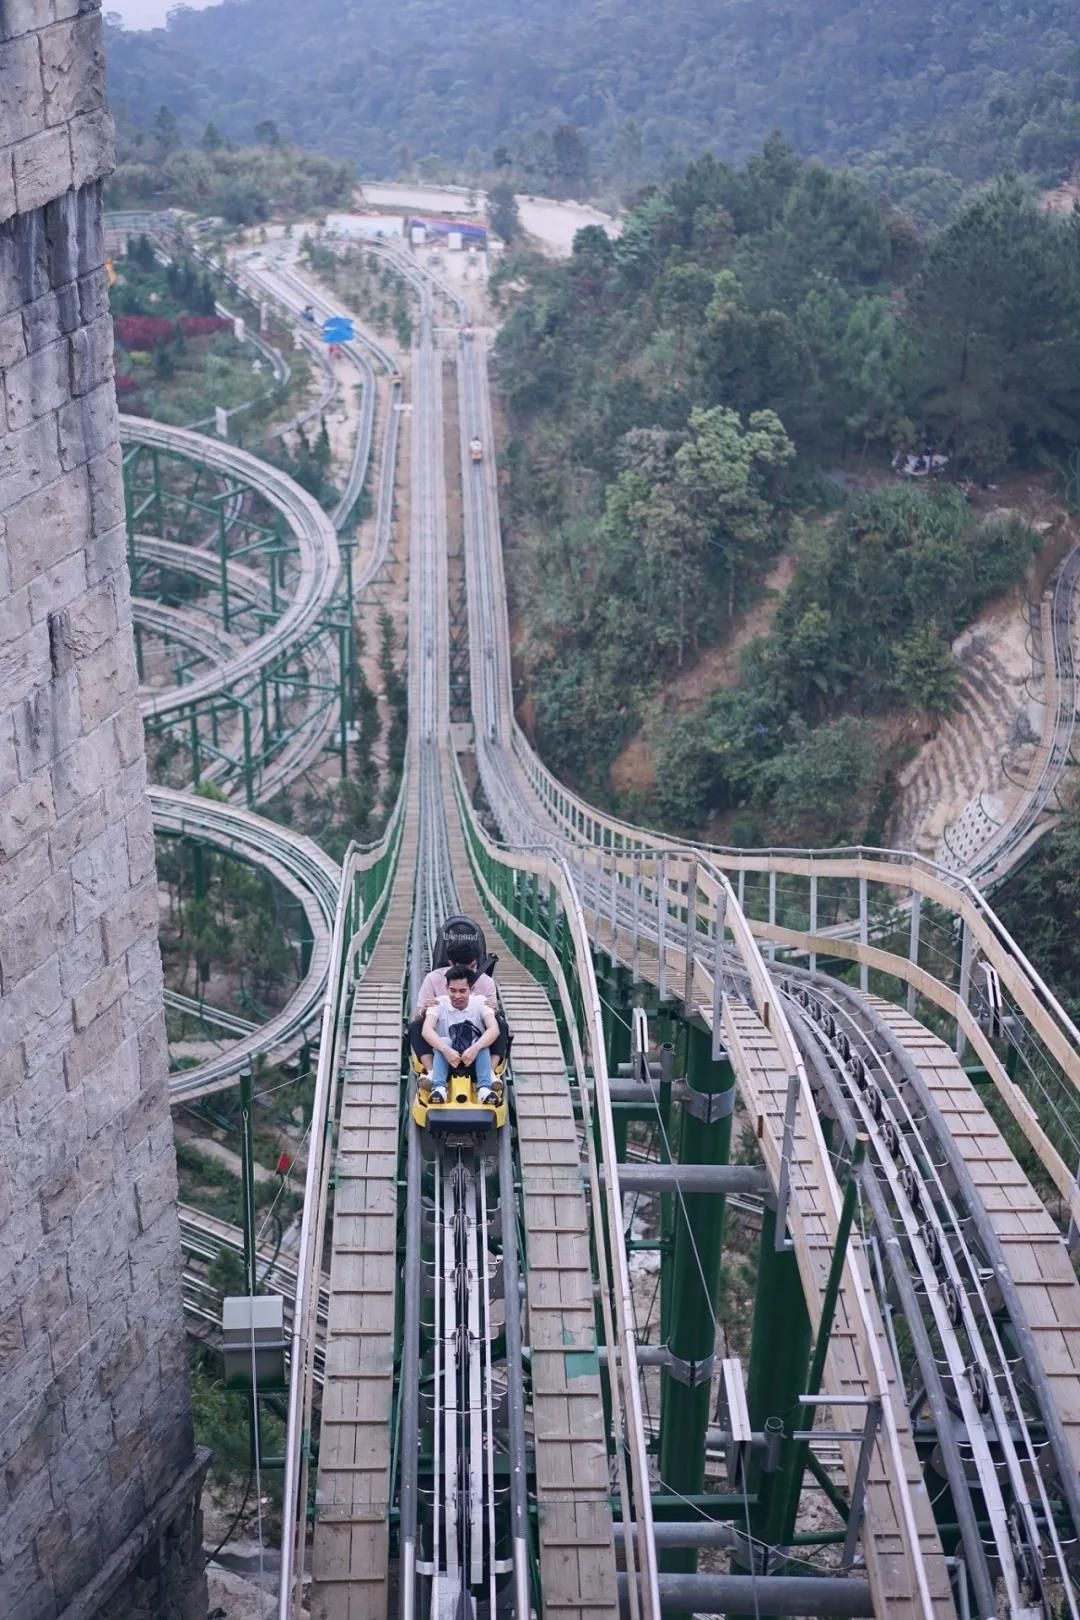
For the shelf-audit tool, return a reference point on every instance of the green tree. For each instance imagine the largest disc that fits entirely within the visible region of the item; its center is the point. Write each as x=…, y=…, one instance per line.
x=725, y=475
x=819, y=785
x=571, y=157
x=925, y=672
x=166, y=133
x=503, y=211
x=993, y=330
x=212, y=140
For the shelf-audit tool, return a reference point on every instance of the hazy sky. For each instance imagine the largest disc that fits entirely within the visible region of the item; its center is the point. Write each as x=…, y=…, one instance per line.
x=148, y=13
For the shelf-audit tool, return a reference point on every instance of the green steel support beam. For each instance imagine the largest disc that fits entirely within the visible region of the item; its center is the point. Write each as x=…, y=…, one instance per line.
x=695, y=1285
x=248, y=768
x=196, y=765
x=713, y=1505
x=805, y=1415
x=247, y=1148
x=617, y=1040
x=779, y=1353
x=155, y=462
x=343, y=697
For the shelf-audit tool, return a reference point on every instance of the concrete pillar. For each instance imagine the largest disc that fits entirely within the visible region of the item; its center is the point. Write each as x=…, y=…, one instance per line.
x=99, y=1479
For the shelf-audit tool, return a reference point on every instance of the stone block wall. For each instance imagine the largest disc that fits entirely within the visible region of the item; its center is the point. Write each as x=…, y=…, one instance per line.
x=95, y=1425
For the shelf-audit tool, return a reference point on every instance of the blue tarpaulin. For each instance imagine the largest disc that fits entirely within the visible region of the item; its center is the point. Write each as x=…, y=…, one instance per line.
x=338, y=329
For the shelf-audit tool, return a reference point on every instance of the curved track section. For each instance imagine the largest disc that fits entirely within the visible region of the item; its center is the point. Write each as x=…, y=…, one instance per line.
x=192, y=631
x=305, y=872
x=286, y=856
x=1013, y=841
x=314, y=537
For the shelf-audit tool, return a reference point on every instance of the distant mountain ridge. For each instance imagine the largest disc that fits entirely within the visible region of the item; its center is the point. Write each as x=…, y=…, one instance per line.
x=955, y=88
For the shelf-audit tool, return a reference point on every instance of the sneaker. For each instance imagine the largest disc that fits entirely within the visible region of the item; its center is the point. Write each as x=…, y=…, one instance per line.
x=487, y=1095
x=437, y=1094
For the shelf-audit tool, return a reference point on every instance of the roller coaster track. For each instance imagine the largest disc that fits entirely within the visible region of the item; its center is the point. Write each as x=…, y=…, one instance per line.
x=301, y=868
x=680, y=917
x=1014, y=839
x=283, y=855
x=314, y=538
x=1026, y=1557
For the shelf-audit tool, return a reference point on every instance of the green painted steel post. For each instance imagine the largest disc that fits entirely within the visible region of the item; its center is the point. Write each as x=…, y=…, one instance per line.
x=247, y=1164
x=196, y=764
x=248, y=1176
x=223, y=559
x=307, y=943
x=617, y=1030
x=249, y=772
x=695, y=1287
x=779, y=1353
x=343, y=700
x=805, y=1415
x=346, y=547
x=265, y=706
x=156, y=463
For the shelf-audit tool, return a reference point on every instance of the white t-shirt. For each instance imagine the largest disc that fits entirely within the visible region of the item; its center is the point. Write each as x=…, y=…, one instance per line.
x=434, y=987
x=448, y=1018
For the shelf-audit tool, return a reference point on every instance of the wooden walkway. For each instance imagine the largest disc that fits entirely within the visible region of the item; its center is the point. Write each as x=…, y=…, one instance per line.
x=858, y=1336
x=1035, y=1252
x=350, y=1554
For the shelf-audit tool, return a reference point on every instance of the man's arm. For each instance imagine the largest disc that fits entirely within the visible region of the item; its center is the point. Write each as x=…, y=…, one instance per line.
x=431, y=1034
x=491, y=1032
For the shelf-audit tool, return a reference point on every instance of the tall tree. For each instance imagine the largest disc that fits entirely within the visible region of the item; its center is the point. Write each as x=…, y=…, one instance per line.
x=571, y=156
x=503, y=211
x=993, y=329
x=166, y=132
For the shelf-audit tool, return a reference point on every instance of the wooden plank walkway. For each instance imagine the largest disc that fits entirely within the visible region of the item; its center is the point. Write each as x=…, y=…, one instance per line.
x=1035, y=1251
x=762, y=1080
x=577, y=1554
x=350, y=1553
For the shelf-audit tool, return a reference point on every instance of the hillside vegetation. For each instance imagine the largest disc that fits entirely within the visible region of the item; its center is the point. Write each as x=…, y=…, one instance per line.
x=928, y=96
x=239, y=184
x=693, y=399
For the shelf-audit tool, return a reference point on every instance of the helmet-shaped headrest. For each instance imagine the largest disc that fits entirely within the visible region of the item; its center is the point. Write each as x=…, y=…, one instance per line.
x=462, y=937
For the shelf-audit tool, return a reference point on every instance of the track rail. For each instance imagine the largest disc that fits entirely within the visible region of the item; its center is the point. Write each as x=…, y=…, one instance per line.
x=314, y=537
x=302, y=869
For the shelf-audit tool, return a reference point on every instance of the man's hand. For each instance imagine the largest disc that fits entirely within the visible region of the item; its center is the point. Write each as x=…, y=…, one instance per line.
x=450, y=1053
x=469, y=1056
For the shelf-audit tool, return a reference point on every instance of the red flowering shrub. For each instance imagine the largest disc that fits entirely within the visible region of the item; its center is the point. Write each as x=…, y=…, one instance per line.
x=200, y=325
x=125, y=385
x=142, y=331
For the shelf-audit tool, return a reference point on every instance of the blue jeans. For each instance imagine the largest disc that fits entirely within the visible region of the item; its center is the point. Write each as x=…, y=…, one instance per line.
x=440, y=1069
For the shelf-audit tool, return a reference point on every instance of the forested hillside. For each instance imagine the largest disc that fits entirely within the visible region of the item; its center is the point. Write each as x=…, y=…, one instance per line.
x=926, y=97
x=711, y=391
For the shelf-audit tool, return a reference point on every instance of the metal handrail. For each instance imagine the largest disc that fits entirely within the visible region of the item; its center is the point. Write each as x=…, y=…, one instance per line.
x=349, y=922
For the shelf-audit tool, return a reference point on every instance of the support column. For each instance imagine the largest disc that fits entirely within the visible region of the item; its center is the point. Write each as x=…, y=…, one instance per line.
x=779, y=1356
x=704, y=1138
x=617, y=1039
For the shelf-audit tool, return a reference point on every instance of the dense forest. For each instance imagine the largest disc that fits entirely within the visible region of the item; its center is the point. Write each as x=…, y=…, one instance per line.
x=241, y=184
x=726, y=383
x=923, y=98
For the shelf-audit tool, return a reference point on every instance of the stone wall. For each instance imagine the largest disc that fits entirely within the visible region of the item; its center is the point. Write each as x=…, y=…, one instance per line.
x=95, y=1426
